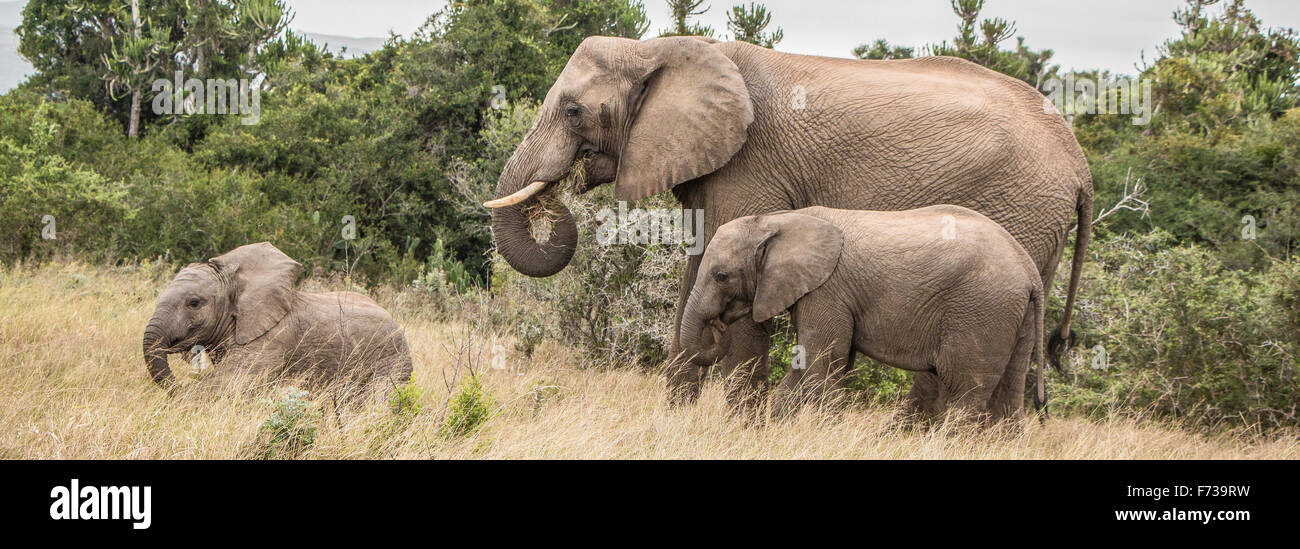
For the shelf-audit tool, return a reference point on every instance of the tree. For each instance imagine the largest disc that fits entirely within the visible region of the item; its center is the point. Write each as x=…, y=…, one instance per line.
x=222, y=37
x=747, y=24
x=109, y=52
x=1224, y=71
x=881, y=49
x=574, y=20
x=978, y=41
x=682, y=11
x=1191, y=18
x=66, y=43
x=136, y=63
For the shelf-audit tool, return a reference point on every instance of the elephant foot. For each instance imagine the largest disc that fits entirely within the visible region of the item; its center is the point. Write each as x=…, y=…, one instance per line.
x=747, y=391
x=684, y=382
x=963, y=418
x=909, y=417
x=751, y=411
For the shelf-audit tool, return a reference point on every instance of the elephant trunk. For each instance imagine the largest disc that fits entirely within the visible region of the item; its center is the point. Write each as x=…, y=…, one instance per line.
x=512, y=231
x=156, y=344
x=542, y=159
x=701, y=348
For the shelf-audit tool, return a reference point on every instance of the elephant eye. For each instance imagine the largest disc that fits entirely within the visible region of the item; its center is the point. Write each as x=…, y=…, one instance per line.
x=194, y=302
x=572, y=110
x=720, y=277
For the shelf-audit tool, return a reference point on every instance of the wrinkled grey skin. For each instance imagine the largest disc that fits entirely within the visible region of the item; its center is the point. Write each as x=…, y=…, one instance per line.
x=967, y=309
x=243, y=309
x=735, y=129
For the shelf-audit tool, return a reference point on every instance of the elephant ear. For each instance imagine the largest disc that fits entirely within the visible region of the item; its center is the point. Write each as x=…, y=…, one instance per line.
x=797, y=255
x=693, y=114
x=263, y=280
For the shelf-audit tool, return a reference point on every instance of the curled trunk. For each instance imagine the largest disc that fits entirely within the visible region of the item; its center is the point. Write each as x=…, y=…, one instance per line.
x=156, y=343
x=514, y=239
x=704, y=340
x=546, y=156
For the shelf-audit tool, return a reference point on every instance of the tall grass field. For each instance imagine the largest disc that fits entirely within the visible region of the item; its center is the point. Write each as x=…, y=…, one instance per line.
x=73, y=386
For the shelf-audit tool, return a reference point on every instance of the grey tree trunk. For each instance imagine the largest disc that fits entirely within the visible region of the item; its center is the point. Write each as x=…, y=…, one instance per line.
x=133, y=128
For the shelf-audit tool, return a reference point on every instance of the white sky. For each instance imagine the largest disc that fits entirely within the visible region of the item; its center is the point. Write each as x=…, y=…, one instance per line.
x=1109, y=34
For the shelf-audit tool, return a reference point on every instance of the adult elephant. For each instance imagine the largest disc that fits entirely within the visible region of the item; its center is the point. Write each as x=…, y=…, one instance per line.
x=735, y=129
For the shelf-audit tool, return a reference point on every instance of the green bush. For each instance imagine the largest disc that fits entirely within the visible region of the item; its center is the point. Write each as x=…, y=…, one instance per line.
x=442, y=273
x=467, y=411
x=291, y=428
x=1170, y=330
x=405, y=400
x=1201, y=188
x=45, y=194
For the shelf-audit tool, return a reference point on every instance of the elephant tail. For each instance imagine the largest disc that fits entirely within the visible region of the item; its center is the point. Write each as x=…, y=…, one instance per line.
x=1039, y=304
x=1063, y=337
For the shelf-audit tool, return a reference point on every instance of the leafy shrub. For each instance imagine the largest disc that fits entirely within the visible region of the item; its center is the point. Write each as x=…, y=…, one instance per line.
x=1184, y=336
x=1201, y=188
x=405, y=400
x=40, y=187
x=467, y=411
x=617, y=302
x=878, y=383
x=1222, y=143
x=291, y=428
x=442, y=273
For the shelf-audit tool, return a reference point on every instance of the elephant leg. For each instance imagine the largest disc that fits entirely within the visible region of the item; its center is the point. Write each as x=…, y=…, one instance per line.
x=744, y=370
x=1008, y=398
x=822, y=382
x=684, y=381
x=968, y=382
x=683, y=378
x=378, y=372
x=923, y=403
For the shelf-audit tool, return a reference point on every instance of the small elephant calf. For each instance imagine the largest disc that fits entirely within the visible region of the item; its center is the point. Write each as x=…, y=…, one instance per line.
x=941, y=291
x=243, y=310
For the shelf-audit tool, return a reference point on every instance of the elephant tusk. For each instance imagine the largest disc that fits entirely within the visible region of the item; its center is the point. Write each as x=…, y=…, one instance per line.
x=519, y=196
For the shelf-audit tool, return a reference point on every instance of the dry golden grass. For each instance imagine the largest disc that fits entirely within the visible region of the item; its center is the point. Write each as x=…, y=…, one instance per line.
x=73, y=385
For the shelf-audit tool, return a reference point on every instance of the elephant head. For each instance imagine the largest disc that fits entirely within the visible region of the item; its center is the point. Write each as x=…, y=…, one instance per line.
x=756, y=266
x=648, y=115
x=237, y=296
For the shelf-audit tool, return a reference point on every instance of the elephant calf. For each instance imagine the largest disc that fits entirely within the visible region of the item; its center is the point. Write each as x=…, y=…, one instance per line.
x=941, y=291
x=243, y=309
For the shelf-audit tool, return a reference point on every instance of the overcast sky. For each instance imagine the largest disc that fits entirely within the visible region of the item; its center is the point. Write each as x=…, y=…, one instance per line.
x=1109, y=34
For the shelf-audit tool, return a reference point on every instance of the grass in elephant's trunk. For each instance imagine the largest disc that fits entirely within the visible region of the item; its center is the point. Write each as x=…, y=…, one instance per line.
x=543, y=213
